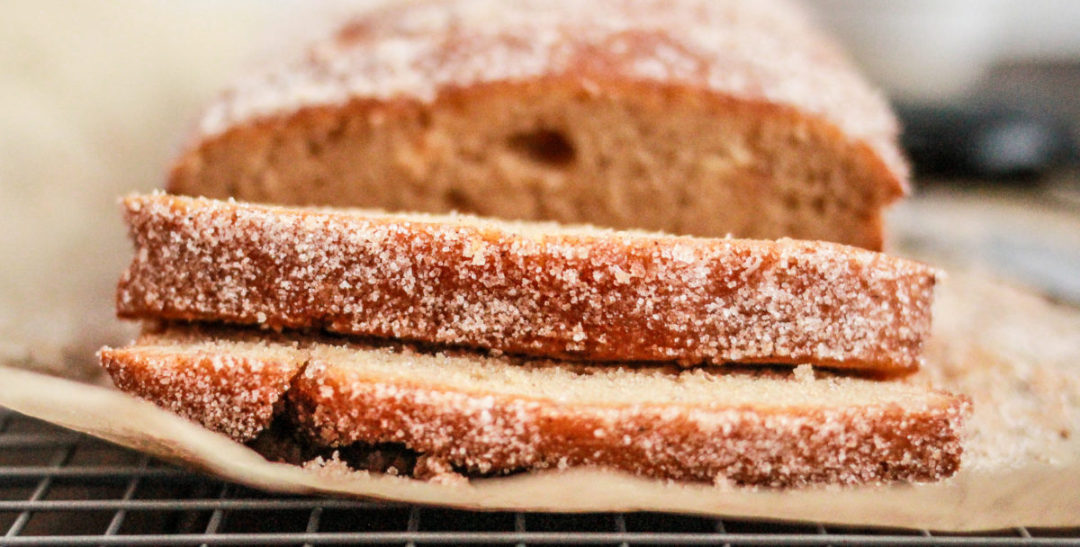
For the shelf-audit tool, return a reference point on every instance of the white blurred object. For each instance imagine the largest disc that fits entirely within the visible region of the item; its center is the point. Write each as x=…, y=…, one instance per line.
x=932, y=50
x=918, y=49
x=94, y=99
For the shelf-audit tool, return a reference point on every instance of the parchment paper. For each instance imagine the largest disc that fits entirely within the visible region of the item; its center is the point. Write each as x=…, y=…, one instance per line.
x=1013, y=353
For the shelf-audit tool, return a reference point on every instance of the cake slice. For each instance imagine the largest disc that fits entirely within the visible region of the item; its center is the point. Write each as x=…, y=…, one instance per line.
x=481, y=415
x=535, y=289
x=233, y=384
x=695, y=117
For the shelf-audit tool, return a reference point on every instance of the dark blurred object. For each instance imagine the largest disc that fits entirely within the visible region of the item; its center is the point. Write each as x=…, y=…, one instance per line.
x=985, y=141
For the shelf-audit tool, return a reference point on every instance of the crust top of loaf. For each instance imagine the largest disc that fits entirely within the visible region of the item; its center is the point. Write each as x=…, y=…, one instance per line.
x=762, y=51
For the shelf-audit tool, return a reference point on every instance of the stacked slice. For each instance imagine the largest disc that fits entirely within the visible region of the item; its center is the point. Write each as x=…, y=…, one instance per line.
x=526, y=288
x=487, y=347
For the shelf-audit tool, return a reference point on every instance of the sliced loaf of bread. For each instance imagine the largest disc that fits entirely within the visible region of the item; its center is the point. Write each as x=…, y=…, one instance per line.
x=484, y=415
x=698, y=117
x=525, y=288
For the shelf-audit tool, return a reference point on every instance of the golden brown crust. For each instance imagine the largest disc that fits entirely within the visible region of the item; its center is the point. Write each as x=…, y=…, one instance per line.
x=383, y=78
x=746, y=446
x=228, y=392
x=492, y=415
x=531, y=289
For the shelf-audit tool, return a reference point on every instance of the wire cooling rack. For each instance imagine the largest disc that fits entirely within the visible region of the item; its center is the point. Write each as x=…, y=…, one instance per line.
x=58, y=487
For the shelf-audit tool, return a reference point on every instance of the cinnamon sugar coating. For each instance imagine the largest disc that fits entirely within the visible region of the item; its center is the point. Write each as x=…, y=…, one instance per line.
x=232, y=392
x=776, y=447
x=525, y=288
x=493, y=415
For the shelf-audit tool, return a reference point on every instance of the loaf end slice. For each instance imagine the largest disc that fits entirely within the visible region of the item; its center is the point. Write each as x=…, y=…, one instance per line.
x=537, y=289
x=233, y=383
x=482, y=416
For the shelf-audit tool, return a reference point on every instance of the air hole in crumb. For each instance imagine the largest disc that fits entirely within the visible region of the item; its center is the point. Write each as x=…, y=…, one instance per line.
x=791, y=201
x=424, y=119
x=543, y=146
x=457, y=200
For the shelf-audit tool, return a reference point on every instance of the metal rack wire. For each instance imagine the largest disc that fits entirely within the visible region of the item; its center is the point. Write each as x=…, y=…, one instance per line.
x=61, y=488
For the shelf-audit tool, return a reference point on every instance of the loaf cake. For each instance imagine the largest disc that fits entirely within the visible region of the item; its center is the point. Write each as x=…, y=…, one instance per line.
x=525, y=288
x=697, y=117
x=456, y=412
x=349, y=307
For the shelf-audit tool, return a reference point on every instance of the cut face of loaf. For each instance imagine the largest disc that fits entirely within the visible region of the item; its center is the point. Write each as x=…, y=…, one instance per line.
x=698, y=117
x=525, y=288
x=495, y=415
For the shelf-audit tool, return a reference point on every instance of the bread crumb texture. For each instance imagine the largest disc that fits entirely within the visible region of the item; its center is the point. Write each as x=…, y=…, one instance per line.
x=694, y=117
x=762, y=51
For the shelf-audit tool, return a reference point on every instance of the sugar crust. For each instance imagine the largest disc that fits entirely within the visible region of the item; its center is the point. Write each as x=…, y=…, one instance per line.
x=525, y=288
x=849, y=430
x=232, y=392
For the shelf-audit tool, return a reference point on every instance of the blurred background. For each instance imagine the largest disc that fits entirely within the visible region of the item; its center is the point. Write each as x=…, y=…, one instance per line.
x=988, y=92
x=96, y=97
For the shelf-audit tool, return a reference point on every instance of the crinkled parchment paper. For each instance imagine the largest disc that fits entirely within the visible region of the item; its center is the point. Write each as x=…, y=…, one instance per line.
x=1015, y=355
